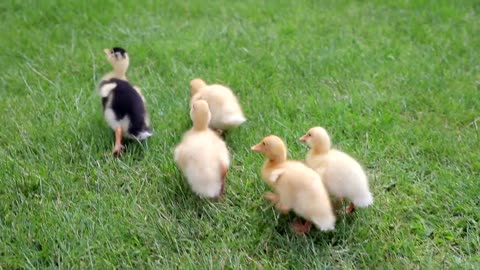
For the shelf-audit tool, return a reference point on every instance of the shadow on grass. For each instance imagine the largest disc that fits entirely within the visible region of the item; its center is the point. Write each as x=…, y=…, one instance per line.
x=284, y=236
x=135, y=149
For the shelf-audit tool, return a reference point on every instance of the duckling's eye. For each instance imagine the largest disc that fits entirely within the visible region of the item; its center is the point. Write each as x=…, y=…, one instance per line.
x=309, y=134
x=263, y=143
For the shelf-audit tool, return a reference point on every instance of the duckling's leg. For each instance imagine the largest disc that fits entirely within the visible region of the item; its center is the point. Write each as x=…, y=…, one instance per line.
x=339, y=201
x=272, y=197
x=117, y=150
x=350, y=208
x=224, y=176
x=282, y=208
x=223, y=171
x=337, y=205
x=301, y=228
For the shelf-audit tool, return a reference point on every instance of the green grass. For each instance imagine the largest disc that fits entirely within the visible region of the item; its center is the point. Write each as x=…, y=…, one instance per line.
x=396, y=83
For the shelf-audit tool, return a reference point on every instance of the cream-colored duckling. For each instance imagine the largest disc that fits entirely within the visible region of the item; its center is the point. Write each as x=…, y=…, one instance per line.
x=296, y=187
x=342, y=175
x=223, y=104
x=202, y=156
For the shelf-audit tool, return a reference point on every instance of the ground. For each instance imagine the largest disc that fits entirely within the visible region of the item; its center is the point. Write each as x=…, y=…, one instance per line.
x=396, y=83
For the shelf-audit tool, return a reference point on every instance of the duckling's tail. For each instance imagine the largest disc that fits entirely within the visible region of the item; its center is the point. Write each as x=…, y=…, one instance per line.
x=325, y=223
x=236, y=120
x=364, y=201
x=144, y=134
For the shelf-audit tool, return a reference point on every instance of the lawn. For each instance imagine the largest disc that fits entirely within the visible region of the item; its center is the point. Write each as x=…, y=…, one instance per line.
x=396, y=83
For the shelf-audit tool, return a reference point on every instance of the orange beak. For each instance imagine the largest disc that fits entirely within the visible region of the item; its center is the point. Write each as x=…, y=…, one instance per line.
x=257, y=147
x=303, y=138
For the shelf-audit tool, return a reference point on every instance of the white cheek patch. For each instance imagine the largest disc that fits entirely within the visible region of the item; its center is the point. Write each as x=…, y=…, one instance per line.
x=144, y=135
x=106, y=89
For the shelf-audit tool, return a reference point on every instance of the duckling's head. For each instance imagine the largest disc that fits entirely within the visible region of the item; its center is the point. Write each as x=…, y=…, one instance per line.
x=317, y=138
x=200, y=114
x=118, y=58
x=272, y=147
x=195, y=85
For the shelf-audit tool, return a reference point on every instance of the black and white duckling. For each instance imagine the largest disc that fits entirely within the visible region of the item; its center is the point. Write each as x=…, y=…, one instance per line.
x=123, y=103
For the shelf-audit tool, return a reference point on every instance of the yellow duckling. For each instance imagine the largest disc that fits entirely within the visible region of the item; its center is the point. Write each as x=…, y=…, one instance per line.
x=296, y=187
x=224, y=106
x=342, y=175
x=202, y=156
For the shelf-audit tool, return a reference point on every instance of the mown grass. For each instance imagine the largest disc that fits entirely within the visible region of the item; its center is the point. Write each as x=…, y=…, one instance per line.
x=395, y=83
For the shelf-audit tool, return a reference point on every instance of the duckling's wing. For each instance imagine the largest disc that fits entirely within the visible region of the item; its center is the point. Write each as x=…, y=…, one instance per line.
x=106, y=87
x=275, y=175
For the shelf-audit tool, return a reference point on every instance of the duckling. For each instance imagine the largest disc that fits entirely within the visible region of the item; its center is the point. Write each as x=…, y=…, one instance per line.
x=342, y=175
x=123, y=103
x=202, y=156
x=296, y=187
x=224, y=107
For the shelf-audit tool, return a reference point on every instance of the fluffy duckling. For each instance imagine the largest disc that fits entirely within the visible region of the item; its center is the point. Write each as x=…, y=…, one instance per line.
x=224, y=107
x=296, y=187
x=202, y=156
x=123, y=104
x=342, y=175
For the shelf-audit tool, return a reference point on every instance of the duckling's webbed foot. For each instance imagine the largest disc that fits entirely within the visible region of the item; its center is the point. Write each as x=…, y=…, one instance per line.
x=301, y=228
x=350, y=208
x=118, y=148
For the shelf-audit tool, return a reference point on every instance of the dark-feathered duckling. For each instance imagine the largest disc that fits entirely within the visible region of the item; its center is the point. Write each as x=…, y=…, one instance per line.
x=123, y=103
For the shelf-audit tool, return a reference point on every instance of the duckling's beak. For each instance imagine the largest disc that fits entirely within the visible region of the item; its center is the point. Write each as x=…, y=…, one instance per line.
x=257, y=147
x=106, y=51
x=303, y=138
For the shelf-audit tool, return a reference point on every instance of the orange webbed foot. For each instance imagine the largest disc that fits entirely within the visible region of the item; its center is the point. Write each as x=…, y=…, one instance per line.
x=118, y=150
x=350, y=208
x=301, y=228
